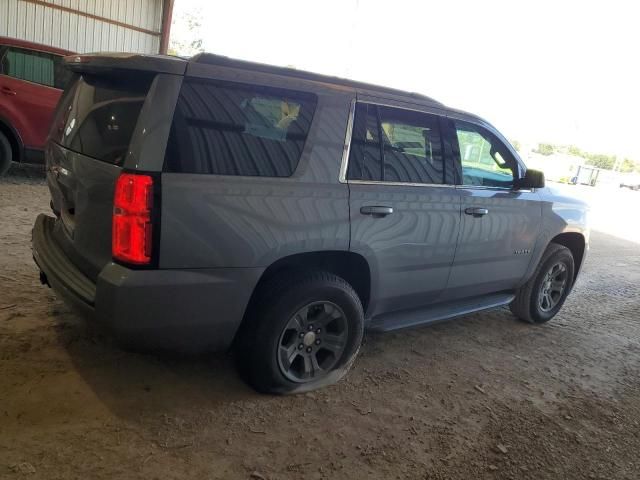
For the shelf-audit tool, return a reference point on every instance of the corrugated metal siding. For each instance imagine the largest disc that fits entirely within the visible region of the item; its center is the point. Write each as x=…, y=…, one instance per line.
x=39, y=23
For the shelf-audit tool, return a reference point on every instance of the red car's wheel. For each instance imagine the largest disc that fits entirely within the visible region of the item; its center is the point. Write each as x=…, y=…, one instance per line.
x=5, y=154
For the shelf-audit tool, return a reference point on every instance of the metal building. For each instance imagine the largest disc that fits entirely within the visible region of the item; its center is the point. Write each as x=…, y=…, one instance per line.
x=90, y=25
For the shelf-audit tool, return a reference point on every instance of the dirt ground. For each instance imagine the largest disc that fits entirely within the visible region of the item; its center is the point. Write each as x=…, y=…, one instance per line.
x=485, y=396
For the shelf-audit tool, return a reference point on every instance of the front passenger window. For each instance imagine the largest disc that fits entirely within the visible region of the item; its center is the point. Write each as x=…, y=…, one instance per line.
x=485, y=160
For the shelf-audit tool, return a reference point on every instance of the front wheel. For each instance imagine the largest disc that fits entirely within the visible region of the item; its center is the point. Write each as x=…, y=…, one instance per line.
x=542, y=297
x=302, y=332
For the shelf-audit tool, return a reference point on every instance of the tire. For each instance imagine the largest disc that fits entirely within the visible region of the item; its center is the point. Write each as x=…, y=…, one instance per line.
x=280, y=325
x=530, y=304
x=6, y=154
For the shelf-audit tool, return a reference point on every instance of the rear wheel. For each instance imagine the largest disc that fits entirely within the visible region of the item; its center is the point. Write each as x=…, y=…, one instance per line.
x=6, y=154
x=542, y=297
x=303, y=332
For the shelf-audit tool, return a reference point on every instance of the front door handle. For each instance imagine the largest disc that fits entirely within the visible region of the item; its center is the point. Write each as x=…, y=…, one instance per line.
x=376, y=211
x=8, y=91
x=476, y=212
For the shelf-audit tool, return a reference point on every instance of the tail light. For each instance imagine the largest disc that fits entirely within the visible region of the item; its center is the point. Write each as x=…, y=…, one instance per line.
x=132, y=227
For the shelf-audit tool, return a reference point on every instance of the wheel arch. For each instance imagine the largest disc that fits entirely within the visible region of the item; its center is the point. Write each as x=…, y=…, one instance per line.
x=17, y=147
x=576, y=243
x=351, y=266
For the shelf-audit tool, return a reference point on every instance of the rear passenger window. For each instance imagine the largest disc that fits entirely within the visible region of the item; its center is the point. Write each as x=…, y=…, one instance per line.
x=412, y=147
x=365, y=155
x=395, y=145
x=235, y=129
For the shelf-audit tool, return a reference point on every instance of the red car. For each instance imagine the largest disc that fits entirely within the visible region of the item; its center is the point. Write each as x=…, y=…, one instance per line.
x=32, y=77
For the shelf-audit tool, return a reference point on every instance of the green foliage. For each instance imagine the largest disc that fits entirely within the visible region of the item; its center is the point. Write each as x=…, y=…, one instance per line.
x=187, y=40
x=629, y=166
x=599, y=160
x=573, y=150
x=516, y=145
x=545, y=149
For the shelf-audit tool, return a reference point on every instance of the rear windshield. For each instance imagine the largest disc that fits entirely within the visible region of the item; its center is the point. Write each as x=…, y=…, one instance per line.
x=97, y=115
x=238, y=129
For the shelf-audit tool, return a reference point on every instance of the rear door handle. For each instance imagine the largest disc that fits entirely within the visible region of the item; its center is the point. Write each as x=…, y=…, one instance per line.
x=476, y=212
x=376, y=211
x=8, y=91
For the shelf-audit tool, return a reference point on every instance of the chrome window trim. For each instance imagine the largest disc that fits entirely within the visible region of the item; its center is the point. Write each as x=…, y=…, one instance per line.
x=428, y=109
x=497, y=189
x=344, y=165
x=400, y=184
x=347, y=143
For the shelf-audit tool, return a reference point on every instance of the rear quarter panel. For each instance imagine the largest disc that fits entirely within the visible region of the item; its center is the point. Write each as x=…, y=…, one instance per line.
x=232, y=221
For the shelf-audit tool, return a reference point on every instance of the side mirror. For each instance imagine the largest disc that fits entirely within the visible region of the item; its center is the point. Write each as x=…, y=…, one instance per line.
x=532, y=179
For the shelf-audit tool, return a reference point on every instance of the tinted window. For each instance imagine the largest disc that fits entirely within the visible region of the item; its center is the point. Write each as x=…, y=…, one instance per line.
x=98, y=115
x=61, y=75
x=38, y=67
x=411, y=146
x=234, y=129
x=365, y=153
x=485, y=159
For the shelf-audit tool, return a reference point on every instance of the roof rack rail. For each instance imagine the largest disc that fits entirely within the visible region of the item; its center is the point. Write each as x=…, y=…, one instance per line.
x=221, y=60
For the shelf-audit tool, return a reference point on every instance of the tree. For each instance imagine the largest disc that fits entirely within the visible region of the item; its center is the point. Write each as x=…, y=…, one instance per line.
x=629, y=166
x=545, y=149
x=601, y=161
x=573, y=150
x=186, y=34
x=516, y=145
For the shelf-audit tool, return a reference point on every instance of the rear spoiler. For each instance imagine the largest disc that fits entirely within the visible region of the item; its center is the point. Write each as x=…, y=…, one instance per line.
x=110, y=62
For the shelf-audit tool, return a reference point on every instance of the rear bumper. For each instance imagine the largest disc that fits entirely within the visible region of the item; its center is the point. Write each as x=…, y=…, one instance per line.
x=186, y=310
x=61, y=274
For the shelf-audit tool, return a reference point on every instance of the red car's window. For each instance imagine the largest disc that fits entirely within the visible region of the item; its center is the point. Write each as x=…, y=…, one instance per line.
x=33, y=66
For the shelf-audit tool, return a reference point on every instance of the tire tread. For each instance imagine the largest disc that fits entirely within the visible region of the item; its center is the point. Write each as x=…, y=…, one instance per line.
x=521, y=305
x=6, y=154
x=269, y=299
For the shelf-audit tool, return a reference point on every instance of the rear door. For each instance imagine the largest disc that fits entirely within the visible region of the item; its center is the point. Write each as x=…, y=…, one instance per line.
x=404, y=208
x=500, y=224
x=31, y=83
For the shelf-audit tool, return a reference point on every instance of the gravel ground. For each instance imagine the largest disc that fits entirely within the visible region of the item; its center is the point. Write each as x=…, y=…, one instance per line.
x=485, y=396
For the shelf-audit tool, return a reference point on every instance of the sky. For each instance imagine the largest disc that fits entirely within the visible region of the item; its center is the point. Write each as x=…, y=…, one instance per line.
x=565, y=72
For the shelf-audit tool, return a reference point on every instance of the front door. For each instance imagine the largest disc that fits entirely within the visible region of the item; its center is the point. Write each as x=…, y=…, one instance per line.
x=500, y=224
x=404, y=213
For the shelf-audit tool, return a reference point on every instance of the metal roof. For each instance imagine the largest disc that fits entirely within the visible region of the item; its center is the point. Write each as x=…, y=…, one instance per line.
x=177, y=65
x=213, y=59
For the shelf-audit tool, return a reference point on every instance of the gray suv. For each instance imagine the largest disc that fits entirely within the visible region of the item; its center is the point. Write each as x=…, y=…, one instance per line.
x=212, y=203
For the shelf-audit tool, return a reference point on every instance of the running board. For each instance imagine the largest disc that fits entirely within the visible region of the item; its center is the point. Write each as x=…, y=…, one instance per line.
x=438, y=312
